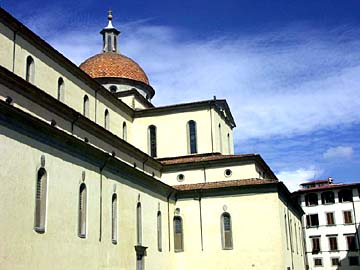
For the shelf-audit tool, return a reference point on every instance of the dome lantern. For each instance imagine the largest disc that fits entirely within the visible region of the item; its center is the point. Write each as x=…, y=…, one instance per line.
x=110, y=35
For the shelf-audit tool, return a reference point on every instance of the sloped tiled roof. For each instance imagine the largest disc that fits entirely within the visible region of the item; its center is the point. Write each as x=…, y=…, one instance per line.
x=222, y=184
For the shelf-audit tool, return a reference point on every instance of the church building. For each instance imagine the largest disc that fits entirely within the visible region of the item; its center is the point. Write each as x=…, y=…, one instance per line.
x=94, y=176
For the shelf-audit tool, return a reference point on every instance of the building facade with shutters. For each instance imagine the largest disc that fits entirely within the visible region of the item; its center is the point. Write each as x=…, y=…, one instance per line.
x=94, y=176
x=331, y=224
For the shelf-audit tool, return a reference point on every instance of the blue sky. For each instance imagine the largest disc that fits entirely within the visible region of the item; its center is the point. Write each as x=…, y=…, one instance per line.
x=290, y=70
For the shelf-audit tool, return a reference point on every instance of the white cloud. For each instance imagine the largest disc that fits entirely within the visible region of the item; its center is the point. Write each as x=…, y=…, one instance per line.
x=291, y=81
x=339, y=152
x=292, y=179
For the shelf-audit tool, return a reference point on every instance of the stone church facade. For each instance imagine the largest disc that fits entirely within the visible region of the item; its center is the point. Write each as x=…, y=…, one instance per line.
x=94, y=176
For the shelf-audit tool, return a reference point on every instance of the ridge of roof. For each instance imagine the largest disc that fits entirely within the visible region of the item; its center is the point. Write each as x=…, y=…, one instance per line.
x=201, y=157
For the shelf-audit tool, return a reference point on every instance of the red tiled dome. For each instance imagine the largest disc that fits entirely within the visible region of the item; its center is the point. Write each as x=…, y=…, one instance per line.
x=111, y=64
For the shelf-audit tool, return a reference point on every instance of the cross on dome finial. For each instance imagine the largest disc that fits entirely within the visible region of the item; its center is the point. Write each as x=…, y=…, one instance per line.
x=109, y=14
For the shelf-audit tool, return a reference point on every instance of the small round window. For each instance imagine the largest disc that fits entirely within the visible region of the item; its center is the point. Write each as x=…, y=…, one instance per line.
x=113, y=88
x=228, y=172
x=180, y=177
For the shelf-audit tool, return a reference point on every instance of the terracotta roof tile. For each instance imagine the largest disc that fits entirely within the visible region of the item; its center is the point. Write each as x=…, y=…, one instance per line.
x=222, y=184
x=324, y=187
x=201, y=157
x=112, y=64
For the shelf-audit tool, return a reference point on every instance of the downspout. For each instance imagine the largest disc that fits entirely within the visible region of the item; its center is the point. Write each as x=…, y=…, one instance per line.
x=14, y=48
x=355, y=222
x=204, y=168
x=168, y=214
x=201, y=223
x=211, y=129
x=290, y=236
x=143, y=164
x=96, y=104
x=100, y=199
x=73, y=123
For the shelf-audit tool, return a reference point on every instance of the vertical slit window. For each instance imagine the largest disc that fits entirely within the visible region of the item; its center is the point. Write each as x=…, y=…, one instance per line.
x=159, y=231
x=109, y=47
x=286, y=232
x=106, y=119
x=138, y=224
x=61, y=90
x=114, y=219
x=40, y=201
x=30, y=69
x=152, y=140
x=192, y=137
x=82, y=211
x=86, y=106
x=124, y=134
x=178, y=234
x=226, y=231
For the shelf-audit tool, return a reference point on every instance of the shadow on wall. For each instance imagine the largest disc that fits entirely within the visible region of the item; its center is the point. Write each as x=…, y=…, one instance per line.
x=352, y=258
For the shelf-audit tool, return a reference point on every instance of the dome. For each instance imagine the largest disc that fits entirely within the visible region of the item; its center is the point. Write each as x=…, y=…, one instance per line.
x=115, y=65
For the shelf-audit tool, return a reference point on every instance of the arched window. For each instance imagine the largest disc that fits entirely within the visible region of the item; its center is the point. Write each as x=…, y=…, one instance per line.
x=82, y=211
x=311, y=199
x=345, y=195
x=106, y=119
x=30, y=69
x=152, y=140
x=61, y=90
x=226, y=232
x=114, y=218
x=159, y=231
x=327, y=197
x=40, y=201
x=178, y=234
x=124, y=131
x=220, y=139
x=86, y=106
x=192, y=146
x=138, y=224
x=228, y=143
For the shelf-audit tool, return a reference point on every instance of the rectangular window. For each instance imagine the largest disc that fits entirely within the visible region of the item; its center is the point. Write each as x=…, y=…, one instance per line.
x=353, y=260
x=312, y=220
x=317, y=261
x=315, y=245
x=347, y=217
x=351, y=242
x=333, y=243
x=330, y=218
x=335, y=261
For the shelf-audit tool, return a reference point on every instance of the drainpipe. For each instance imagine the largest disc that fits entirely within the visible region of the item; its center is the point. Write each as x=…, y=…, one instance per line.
x=204, y=169
x=143, y=163
x=290, y=236
x=100, y=198
x=96, y=104
x=73, y=123
x=211, y=129
x=168, y=210
x=14, y=48
x=355, y=222
x=201, y=223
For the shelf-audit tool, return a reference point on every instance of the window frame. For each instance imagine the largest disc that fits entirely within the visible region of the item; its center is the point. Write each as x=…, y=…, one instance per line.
x=159, y=230
x=345, y=212
x=41, y=190
x=114, y=219
x=327, y=218
x=181, y=238
x=192, y=137
x=106, y=119
x=333, y=246
x=61, y=89
x=152, y=140
x=315, y=244
x=30, y=69
x=318, y=265
x=309, y=221
x=223, y=232
x=324, y=198
x=138, y=224
x=86, y=106
x=82, y=211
